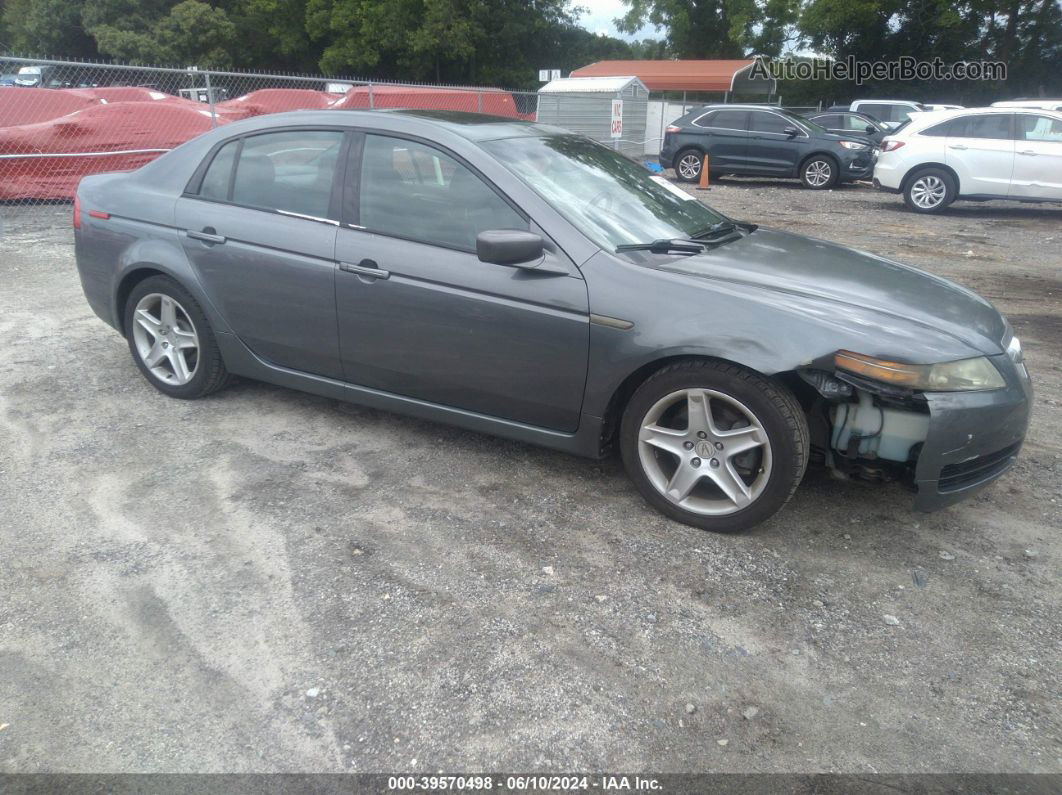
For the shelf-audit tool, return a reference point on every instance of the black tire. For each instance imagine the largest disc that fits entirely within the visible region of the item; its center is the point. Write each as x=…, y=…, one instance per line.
x=777, y=411
x=692, y=170
x=813, y=169
x=929, y=190
x=208, y=373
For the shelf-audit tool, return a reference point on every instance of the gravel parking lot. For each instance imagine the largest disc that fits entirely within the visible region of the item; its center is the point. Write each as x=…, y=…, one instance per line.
x=271, y=581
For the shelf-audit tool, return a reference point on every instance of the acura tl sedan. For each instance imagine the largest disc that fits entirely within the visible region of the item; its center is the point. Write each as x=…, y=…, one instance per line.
x=523, y=281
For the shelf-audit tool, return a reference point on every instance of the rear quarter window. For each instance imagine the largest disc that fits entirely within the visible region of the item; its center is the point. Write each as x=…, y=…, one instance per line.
x=218, y=175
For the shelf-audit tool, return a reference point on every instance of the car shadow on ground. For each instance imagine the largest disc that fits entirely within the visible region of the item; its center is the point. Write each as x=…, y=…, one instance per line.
x=605, y=477
x=997, y=210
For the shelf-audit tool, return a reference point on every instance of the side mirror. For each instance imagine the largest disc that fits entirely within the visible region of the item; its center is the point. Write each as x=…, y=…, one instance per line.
x=512, y=247
x=871, y=129
x=791, y=131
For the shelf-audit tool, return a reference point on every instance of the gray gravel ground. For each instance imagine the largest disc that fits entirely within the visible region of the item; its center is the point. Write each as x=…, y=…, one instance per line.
x=267, y=580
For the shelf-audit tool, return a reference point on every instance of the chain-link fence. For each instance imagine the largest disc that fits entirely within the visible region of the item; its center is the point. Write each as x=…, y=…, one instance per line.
x=61, y=120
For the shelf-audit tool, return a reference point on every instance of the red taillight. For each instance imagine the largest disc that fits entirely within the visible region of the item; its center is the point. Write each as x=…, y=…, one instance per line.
x=891, y=146
x=99, y=214
x=77, y=213
x=673, y=129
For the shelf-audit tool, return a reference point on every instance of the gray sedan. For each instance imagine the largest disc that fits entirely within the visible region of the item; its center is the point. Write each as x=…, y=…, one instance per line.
x=523, y=281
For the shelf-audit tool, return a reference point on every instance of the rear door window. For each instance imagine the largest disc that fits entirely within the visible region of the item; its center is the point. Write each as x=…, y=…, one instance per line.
x=729, y=120
x=995, y=126
x=856, y=123
x=886, y=111
x=830, y=122
x=291, y=171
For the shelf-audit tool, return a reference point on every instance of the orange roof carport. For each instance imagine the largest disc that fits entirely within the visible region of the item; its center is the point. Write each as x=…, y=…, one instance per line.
x=672, y=75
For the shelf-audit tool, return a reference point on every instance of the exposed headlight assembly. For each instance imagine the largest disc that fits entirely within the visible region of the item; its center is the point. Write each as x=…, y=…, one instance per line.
x=853, y=145
x=965, y=375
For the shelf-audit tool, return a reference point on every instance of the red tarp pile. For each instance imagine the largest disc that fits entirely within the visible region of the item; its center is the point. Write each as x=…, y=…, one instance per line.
x=46, y=160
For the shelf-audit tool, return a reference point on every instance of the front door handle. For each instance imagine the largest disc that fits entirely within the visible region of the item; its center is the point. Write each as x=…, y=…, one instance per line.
x=366, y=267
x=957, y=146
x=1027, y=152
x=208, y=235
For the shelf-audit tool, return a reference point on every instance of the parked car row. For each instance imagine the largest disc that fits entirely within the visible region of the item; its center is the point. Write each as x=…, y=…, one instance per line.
x=1012, y=150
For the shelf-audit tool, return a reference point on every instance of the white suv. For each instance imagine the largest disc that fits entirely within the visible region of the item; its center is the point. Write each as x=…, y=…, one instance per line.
x=977, y=154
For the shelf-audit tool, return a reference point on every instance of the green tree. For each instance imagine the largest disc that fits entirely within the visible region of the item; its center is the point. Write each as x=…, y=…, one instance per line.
x=1025, y=34
x=272, y=35
x=716, y=28
x=191, y=32
x=46, y=27
x=446, y=40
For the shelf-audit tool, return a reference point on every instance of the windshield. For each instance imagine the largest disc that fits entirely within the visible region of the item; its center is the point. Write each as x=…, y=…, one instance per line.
x=611, y=199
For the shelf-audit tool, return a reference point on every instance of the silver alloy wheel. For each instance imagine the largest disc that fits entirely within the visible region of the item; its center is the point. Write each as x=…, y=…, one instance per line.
x=818, y=173
x=694, y=465
x=689, y=166
x=928, y=191
x=166, y=339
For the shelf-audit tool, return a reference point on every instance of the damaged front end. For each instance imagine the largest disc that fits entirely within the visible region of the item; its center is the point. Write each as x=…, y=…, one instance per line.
x=865, y=430
x=943, y=444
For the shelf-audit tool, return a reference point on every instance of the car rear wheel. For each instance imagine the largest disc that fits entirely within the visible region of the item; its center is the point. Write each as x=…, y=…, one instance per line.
x=688, y=165
x=929, y=191
x=819, y=172
x=713, y=445
x=171, y=340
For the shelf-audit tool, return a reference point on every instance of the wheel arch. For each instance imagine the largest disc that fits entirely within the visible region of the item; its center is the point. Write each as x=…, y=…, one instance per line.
x=156, y=257
x=127, y=284
x=622, y=394
x=916, y=170
x=818, y=153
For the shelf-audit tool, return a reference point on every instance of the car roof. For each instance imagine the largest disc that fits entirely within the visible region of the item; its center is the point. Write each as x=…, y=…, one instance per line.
x=472, y=126
x=741, y=106
x=920, y=120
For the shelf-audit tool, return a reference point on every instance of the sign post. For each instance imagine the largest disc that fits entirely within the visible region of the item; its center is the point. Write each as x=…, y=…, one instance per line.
x=617, y=122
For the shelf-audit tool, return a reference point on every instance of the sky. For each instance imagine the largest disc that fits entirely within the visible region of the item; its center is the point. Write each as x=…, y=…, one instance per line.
x=600, y=14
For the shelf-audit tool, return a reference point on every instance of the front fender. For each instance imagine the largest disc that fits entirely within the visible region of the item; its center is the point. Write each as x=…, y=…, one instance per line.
x=769, y=331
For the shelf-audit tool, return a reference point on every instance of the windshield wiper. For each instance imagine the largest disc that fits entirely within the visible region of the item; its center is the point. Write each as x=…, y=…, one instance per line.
x=719, y=229
x=664, y=246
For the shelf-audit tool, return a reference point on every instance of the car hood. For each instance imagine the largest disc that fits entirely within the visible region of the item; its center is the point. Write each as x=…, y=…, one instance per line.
x=888, y=291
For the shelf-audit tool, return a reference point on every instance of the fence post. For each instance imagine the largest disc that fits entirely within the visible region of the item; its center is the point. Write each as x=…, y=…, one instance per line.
x=479, y=101
x=210, y=99
x=372, y=103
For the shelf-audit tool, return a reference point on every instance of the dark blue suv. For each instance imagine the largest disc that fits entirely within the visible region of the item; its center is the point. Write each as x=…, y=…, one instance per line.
x=761, y=141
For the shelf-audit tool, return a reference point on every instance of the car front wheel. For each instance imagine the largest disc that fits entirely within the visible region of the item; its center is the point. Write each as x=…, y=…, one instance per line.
x=819, y=173
x=713, y=445
x=171, y=340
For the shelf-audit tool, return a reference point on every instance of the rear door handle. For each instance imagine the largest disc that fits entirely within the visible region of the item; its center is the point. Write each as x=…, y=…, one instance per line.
x=957, y=146
x=366, y=267
x=208, y=235
x=1027, y=152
